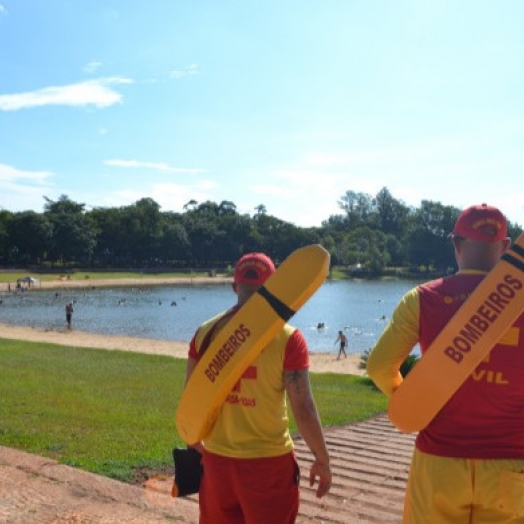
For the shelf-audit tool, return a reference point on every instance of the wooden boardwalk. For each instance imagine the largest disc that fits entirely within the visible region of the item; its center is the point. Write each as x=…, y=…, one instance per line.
x=370, y=462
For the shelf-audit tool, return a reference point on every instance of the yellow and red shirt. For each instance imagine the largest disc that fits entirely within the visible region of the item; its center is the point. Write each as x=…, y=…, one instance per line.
x=253, y=421
x=484, y=418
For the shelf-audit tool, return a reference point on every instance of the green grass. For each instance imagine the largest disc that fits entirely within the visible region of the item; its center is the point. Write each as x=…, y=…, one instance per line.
x=346, y=398
x=112, y=412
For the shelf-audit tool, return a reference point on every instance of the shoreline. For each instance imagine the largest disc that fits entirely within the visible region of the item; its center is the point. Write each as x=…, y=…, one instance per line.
x=145, y=281
x=319, y=362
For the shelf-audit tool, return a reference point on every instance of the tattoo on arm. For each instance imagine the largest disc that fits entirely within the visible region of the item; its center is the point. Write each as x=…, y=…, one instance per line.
x=297, y=380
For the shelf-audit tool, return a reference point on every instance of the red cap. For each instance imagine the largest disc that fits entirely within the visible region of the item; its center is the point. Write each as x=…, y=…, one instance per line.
x=484, y=223
x=253, y=268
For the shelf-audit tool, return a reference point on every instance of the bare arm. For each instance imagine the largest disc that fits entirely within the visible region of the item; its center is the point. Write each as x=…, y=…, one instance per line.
x=305, y=412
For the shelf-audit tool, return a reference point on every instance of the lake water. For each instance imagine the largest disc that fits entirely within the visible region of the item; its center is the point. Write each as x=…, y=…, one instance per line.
x=360, y=308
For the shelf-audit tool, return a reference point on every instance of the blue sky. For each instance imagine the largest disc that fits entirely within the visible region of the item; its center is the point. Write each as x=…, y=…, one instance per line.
x=281, y=103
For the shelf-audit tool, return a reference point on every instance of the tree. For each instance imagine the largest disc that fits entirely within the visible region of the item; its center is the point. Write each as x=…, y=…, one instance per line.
x=391, y=213
x=73, y=238
x=202, y=234
x=112, y=240
x=227, y=208
x=175, y=244
x=239, y=237
x=142, y=223
x=191, y=205
x=207, y=208
x=74, y=235
x=428, y=242
x=62, y=206
x=5, y=218
x=260, y=209
x=368, y=249
x=360, y=209
x=514, y=230
x=31, y=233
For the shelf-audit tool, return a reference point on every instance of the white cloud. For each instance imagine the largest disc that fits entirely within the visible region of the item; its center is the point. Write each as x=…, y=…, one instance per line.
x=3, y=9
x=207, y=185
x=447, y=166
x=170, y=197
x=174, y=196
x=190, y=70
x=92, y=67
x=156, y=166
x=301, y=195
x=9, y=174
x=93, y=92
x=22, y=190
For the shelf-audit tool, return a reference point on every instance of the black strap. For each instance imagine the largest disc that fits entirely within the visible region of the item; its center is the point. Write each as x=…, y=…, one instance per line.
x=283, y=311
x=213, y=331
x=519, y=250
x=513, y=261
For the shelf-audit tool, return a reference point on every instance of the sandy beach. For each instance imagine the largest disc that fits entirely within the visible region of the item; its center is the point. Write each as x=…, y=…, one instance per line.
x=61, y=284
x=319, y=362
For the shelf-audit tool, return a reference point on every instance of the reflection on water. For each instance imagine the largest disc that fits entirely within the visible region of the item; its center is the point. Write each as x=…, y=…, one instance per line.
x=360, y=308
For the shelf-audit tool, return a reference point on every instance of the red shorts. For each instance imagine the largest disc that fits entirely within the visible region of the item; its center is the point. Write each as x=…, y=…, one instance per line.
x=249, y=491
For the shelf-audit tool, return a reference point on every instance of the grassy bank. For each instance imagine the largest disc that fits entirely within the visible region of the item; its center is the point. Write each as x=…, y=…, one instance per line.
x=112, y=412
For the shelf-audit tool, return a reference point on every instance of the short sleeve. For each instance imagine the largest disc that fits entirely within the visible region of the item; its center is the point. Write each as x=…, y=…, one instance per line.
x=193, y=353
x=296, y=356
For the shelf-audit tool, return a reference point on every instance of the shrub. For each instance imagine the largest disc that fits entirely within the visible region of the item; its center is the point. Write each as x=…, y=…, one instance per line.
x=405, y=367
x=408, y=364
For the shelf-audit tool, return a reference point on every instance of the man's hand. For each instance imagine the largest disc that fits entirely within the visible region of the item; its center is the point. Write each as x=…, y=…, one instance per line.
x=199, y=446
x=322, y=471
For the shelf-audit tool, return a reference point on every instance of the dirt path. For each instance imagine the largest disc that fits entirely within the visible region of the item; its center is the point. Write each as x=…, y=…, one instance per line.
x=36, y=490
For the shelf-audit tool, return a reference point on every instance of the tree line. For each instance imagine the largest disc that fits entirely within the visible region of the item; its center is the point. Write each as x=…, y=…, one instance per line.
x=369, y=235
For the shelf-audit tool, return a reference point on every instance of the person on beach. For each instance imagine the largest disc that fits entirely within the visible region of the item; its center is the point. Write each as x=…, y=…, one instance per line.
x=468, y=463
x=69, y=314
x=250, y=474
x=342, y=347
